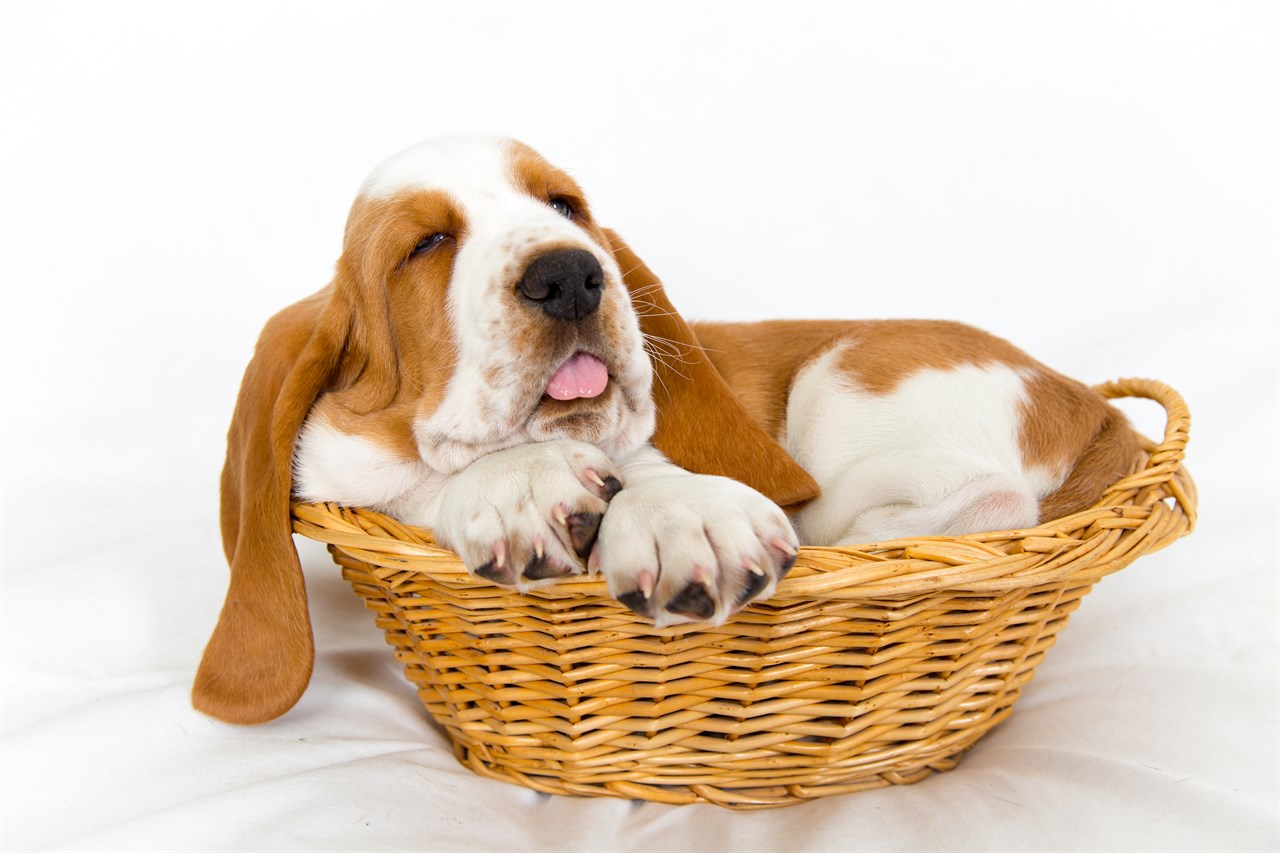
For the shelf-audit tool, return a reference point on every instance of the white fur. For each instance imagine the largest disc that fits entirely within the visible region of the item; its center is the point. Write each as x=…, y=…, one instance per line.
x=937, y=455
x=458, y=164
x=331, y=465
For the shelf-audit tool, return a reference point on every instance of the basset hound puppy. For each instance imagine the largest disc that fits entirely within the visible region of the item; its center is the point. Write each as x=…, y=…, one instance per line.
x=491, y=363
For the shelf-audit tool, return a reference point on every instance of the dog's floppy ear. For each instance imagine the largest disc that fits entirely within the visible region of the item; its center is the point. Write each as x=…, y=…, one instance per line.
x=702, y=426
x=259, y=659
x=340, y=340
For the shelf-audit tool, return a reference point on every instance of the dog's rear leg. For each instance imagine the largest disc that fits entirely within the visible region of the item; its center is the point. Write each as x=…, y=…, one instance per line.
x=988, y=502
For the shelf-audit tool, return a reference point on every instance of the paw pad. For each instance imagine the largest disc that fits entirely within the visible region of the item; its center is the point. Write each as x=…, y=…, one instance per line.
x=540, y=568
x=638, y=603
x=694, y=601
x=499, y=573
x=583, y=528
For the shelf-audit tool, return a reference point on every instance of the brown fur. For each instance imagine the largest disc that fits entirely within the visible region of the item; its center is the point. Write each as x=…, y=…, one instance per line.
x=1068, y=427
x=259, y=658
x=887, y=351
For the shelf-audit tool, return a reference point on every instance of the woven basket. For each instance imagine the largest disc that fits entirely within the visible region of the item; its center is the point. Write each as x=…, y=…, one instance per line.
x=869, y=666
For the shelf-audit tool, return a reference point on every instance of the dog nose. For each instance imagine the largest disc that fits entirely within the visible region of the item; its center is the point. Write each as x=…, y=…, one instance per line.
x=565, y=283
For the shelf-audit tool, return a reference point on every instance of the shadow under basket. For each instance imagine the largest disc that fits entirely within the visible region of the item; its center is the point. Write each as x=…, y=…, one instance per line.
x=870, y=665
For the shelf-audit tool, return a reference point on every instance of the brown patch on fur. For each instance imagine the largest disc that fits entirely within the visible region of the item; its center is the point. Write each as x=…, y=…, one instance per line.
x=884, y=352
x=702, y=426
x=1067, y=427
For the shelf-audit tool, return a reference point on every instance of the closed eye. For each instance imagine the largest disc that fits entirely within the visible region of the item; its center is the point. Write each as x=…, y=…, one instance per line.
x=428, y=243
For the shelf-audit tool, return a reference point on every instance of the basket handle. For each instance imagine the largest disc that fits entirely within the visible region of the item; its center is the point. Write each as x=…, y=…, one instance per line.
x=1165, y=463
x=1177, y=415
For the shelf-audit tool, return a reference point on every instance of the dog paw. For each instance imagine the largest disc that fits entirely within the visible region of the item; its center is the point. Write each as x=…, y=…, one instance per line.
x=527, y=514
x=692, y=548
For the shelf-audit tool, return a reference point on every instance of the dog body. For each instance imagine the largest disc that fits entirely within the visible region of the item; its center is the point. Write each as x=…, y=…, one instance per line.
x=917, y=428
x=484, y=365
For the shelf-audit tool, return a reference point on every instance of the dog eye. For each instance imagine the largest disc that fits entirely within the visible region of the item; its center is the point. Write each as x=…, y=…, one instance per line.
x=562, y=207
x=428, y=243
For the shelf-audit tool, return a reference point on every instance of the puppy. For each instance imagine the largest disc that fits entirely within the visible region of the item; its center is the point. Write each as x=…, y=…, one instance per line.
x=490, y=363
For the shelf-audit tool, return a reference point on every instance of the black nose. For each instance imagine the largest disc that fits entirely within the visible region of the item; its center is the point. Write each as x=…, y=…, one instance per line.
x=565, y=283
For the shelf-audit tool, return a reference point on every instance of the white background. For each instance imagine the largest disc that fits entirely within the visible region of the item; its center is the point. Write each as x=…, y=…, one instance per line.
x=1095, y=181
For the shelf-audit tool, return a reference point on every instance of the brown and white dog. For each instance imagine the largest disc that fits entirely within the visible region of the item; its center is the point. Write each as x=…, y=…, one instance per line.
x=484, y=364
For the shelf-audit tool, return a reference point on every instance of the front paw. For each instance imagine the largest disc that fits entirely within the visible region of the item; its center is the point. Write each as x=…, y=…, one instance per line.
x=528, y=514
x=692, y=548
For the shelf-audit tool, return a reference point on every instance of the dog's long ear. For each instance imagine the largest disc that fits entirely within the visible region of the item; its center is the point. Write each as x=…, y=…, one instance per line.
x=259, y=660
x=702, y=426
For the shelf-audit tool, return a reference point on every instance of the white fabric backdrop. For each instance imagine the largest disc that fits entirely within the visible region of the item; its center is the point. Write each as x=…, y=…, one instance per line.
x=1096, y=182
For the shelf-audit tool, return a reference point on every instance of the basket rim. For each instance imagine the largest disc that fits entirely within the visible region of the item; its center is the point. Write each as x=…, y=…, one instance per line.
x=1140, y=513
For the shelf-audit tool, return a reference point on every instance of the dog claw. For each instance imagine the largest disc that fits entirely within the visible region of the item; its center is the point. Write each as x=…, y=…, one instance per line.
x=783, y=545
x=756, y=581
x=785, y=566
x=611, y=486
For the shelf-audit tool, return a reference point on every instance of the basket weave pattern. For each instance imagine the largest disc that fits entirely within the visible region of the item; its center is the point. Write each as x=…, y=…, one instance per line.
x=869, y=666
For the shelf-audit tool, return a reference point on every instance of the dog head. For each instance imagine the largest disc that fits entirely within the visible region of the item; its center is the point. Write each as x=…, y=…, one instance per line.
x=477, y=305
x=492, y=256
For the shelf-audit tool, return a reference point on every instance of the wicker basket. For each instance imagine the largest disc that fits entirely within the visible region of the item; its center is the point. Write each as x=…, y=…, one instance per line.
x=869, y=666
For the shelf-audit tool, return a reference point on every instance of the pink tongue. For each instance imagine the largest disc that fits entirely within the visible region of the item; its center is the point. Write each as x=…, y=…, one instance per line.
x=583, y=375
